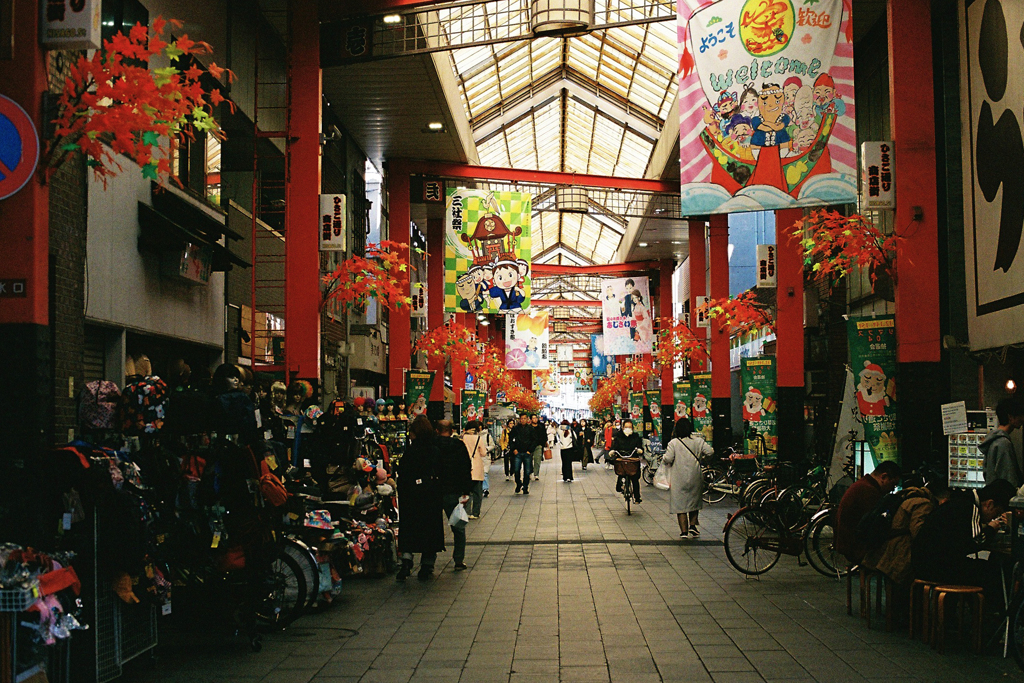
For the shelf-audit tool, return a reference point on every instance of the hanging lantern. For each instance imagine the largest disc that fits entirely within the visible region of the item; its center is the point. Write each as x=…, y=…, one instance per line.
x=561, y=17
x=571, y=199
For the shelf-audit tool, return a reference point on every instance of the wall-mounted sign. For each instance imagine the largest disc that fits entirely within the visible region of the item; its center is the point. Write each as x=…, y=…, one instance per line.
x=70, y=24
x=419, y=300
x=877, y=176
x=19, y=147
x=702, y=314
x=766, y=276
x=332, y=222
x=13, y=289
x=193, y=263
x=433, y=191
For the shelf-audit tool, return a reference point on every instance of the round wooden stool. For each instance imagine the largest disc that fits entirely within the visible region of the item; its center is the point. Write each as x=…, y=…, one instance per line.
x=963, y=594
x=925, y=590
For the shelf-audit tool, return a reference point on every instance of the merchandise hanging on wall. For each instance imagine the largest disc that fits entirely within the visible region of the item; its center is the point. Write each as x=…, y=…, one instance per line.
x=487, y=251
x=757, y=376
x=766, y=105
x=872, y=344
x=418, y=384
x=681, y=399
x=626, y=307
x=992, y=112
x=653, y=428
x=526, y=341
x=602, y=365
x=700, y=410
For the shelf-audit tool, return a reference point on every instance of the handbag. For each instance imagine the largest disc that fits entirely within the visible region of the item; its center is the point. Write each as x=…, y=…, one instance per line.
x=459, y=517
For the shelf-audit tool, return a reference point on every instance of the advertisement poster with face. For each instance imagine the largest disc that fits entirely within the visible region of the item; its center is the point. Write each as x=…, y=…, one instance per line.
x=418, y=384
x=654, y=406
x=472, y=405
x=604, y=366
x=872, y=344
x=487, y=251
x=626, y=309
x=700, y=407
x=681, y=400
x=760, y=419
x=766, y=105
x=526, y=341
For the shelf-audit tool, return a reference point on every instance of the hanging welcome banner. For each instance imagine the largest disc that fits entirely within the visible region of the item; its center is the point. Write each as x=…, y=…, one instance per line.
x=626, y=306
x=418, y=384
x=681, y=400
x=654, y=405
x=636, y=408
x=759, y=408
x=603, y=365
x=472, y=405
x=873, y=359
x=766, y=105
x=700, y=411
x=487, y=251
x=526, y=341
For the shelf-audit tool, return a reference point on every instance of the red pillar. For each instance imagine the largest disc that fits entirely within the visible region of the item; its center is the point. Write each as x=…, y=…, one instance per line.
x=665, y=296
x=435, y=297
x=399, y=321
x=302, y=253
x=721, y=389
x=698, y=282
x=789, y=354
x=911, y=103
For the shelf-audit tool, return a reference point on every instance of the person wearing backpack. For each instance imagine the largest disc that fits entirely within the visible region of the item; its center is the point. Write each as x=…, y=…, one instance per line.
x=1001, y=459
x=897, y=518
x=686, y=484
x=859, y=500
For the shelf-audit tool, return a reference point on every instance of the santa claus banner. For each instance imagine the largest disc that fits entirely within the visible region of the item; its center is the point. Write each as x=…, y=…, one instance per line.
x=417, y=391
x=681, y=400
x=472, y=405
x=873, y=359
x=766, y=105
x=526, y=341
x=653, y=428
x=636, y=409
x=628, y=326
x=487, y=251
x=760, y=419
x=700, y=408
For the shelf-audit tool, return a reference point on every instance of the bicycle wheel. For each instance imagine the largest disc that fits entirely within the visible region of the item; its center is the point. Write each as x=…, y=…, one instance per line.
x=627, y=491
x=648, y=475
x=752, y=546
x=819, y=546
x=753, y=491
x=714, y=485
x=306, y=559
x=282, y=590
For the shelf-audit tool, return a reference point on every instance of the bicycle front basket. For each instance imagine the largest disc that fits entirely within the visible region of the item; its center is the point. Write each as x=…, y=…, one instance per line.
x=627, y=467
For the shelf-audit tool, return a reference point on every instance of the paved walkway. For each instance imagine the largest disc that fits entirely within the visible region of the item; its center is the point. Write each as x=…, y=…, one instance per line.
x=564, y=586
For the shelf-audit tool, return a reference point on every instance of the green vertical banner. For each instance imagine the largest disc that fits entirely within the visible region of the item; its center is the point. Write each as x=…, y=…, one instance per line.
x=700, y=405
x=472, y=405
x=654, y=405
x=418, y=384
x=873, y=359
x=681, y=394
x=636, y=409
x=760, y=411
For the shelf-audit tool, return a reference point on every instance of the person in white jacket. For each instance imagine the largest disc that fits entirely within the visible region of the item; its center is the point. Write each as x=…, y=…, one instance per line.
x=686, y=484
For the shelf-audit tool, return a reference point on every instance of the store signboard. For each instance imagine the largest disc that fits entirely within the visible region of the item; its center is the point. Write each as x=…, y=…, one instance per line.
x=418, y=291
x=872, y=342
x=332, y=222
x=877, y=176
x=766, y=275
x=760, y=416
x=368, y=354
x=703, y=320
x=70, y=24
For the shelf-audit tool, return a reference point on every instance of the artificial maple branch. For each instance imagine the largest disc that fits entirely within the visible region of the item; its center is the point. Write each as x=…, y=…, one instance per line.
x=742, y=313
x=382, y=274
x=835, y=244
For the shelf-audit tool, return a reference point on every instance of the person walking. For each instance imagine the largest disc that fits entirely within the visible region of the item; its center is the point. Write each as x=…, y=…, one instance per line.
x=419, y=489
x=476, y=444
x=587, y=444
x=625, y=443
x=505, y=446
x=609, y=436
x=686, y=483
x=540, y=435
x=566, y=450
x=456, y=479
x=521, y=445
x=1001, y=459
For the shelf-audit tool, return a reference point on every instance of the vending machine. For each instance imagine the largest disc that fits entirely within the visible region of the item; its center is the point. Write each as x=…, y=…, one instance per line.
x=966, y=461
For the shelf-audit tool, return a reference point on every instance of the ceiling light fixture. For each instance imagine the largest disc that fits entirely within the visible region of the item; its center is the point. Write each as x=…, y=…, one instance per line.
x=571, y=199
x=561, y=17
x=435, y=125
x=643, y=244
x=392, y=18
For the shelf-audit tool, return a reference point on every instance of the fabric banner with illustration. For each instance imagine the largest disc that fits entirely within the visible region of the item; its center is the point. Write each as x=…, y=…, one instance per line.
x=487, y=251
x=636, y=409
x=418, y=384
x=526, y=341
x=545, y=382
x=681, y=400
x=872, y=343
x=700, y=404
x=584, y=377
x=654, y=405
x=604, y=366
x=472, y=405
x=626, y=307
x=760, y=416
x=766, y=105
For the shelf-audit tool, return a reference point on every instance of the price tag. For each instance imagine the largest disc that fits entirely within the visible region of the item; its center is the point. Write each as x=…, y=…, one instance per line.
x=66, y=521
x=216, y=539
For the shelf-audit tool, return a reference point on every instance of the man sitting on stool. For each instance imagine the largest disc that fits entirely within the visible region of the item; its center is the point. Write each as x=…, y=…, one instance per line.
x=859, y=500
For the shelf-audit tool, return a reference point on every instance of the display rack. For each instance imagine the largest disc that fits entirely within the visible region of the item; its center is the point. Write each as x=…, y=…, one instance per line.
x=393, y=435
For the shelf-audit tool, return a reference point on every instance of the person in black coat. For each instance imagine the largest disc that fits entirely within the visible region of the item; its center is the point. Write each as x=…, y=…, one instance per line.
x=456, y=476
x=587, y=444
x=624, y=443
x=419, y=496
x=521, y=443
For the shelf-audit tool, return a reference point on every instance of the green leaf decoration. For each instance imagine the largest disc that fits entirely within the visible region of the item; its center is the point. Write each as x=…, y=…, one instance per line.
x=149, y=171
x=150, y=138
x=71, y=147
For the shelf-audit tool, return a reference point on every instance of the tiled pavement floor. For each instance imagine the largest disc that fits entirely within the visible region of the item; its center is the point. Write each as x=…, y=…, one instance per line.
x=564, y=586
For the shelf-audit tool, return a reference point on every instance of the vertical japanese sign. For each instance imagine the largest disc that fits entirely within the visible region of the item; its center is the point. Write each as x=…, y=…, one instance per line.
x=654, y=405
x=766, y=276
x=332, y=222
x=418, y=384
x=626, y=308
x=418, y=291
x=873, y=359
x=878, y=191
x=681, y=400
x=526, y=341
x=766, y=105
x=487, y=251
x=472, y=405
x=636, y=409
x=760, y=417
x=604, y=366
x=700, y=411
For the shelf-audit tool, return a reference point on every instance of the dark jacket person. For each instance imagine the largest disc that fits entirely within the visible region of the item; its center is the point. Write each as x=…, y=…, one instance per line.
x=419, y=495
x=456, y=475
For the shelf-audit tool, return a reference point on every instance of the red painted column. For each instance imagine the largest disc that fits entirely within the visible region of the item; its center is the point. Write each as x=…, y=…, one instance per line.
x=302, y=192
x=459, y=372
x=665, y=296
x=399, y=335
x=435, y=297
x=789, y=267
x=721, y=387
x=913, y=131
x=698, y=281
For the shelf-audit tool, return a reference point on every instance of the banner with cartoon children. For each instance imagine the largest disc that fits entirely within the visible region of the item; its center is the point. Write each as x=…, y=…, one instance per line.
x=487, y=251
x=626, y=308
x=418, y=384
x=472, y=405
x=700, y=406
x=760, y=419
x=526, y=341
x=766, y=105
x=681, y=400
x=872, y=344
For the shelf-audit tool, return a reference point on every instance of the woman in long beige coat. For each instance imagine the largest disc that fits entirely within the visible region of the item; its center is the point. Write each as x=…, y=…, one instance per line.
x=686, y=484
x=476, y=444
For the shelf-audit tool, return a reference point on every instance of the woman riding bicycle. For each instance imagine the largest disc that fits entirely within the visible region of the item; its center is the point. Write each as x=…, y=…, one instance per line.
x=625, y=443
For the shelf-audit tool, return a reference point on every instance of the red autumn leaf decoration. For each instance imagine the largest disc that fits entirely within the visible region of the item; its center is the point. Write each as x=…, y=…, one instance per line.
x=742, y=314
x=382, y=274
x=453, y=341
x=113, y=103
x=677, y=343
x=835, y=244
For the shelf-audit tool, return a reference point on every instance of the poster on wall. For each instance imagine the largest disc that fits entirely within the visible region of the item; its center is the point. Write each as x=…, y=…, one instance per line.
x=766, y=105
x=681, y=400
x=654, y=405
x=636, y=409
x=626, y=309
x=526, y=341
x=604, y=366
x=760, y=419
x=700, y=408
x=992, y=115
x=584, y=378
x=872, y=344
x=487, y=251
x=418, y=384
x=472, y=405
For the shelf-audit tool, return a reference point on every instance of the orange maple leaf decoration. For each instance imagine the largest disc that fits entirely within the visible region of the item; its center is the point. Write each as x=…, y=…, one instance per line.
x=835, y=244
x=382, y=274
x=453, y=341
x=677, y=344
x=742, y=314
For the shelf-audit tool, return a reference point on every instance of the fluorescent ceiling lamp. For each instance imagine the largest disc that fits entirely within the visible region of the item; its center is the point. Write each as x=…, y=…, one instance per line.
x=392, y=18
x=643, y=244
x=435, y=125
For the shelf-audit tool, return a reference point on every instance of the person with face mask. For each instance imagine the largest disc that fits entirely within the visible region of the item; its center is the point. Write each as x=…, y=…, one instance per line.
x=624, y=443
x=567, y=447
